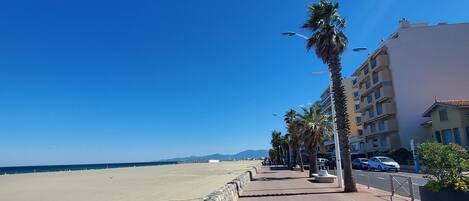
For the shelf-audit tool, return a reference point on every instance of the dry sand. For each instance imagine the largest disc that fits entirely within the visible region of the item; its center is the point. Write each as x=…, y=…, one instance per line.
x=167, y=182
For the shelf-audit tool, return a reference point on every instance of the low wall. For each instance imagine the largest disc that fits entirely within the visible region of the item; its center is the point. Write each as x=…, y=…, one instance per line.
x=231, y=190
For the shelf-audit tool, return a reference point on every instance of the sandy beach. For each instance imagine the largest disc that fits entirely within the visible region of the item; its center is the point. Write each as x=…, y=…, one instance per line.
x=167, y=182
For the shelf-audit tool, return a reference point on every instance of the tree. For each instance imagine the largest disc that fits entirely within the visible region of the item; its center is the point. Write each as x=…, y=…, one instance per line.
x=285, y=143
x=276, y=142
x=445, y=165
x=329, y=42
x=315, y=125
x=295, y=135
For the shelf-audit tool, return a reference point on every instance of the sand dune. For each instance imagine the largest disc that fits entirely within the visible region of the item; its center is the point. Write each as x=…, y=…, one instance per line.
x=168, y=182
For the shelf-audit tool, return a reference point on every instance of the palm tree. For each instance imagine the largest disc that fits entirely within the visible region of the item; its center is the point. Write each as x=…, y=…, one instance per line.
x=315, y=125
x=295, y=135
x=329, y=42
x=285, y=144
x=276, y=142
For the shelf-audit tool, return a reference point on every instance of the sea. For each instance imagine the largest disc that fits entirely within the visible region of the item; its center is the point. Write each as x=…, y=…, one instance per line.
x=75, y=167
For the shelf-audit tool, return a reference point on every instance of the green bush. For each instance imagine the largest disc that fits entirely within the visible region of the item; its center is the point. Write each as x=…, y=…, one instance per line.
x=402, y=156
x=444, y=166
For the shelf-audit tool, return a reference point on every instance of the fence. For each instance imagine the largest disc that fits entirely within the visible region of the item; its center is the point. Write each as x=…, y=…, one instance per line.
x=401, y=181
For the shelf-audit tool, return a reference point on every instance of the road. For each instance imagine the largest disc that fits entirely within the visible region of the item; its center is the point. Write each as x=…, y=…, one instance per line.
x=381, y=180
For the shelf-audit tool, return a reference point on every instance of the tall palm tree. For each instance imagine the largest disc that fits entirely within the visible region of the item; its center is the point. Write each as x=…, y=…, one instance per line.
x=315, y=125
x=295, y=135
x=329, y=42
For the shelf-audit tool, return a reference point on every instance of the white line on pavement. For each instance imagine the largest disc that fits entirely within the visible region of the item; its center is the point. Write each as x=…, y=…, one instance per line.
x=361, y=174
x=380, y=178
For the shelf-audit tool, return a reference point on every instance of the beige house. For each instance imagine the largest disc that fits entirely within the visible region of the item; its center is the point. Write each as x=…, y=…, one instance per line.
x=449, y=121
x=397, y=81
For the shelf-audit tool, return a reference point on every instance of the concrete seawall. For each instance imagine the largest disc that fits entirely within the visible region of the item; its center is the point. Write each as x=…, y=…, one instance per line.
x=231, y=190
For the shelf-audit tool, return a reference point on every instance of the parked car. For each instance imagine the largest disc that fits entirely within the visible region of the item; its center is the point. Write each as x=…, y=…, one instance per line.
x=383, y=163
x=360, y=163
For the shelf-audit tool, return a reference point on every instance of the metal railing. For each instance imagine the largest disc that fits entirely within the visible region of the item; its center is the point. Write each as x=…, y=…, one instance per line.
x=401, y=181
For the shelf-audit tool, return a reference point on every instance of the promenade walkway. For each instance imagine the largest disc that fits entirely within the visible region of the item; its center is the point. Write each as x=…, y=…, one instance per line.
x=273, y=183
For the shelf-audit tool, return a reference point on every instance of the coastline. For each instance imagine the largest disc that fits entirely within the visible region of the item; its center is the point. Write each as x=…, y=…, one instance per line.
x=189, y=181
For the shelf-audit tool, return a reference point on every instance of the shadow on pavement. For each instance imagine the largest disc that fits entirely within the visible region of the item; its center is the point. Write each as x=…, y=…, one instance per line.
x=276, y=178
x=279, y=168
x=288, y=194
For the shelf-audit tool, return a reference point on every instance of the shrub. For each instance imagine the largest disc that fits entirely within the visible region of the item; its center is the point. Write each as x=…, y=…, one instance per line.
x=444, y=166
x=402, y=156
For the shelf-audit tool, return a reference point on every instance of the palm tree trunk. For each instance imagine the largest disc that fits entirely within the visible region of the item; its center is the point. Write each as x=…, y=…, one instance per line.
x=302, y=167
x=313, y=161
x=342, y=122
x=295, y=157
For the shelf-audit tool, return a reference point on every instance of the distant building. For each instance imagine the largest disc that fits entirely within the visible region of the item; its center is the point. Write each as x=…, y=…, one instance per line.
x=449, y=121
x=355, y=129
x=417, y=64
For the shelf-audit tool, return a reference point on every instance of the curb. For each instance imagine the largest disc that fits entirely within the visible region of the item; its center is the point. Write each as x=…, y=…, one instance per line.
x=232, y=190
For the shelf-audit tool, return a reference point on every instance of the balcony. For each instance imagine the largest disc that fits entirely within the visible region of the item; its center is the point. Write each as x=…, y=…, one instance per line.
x=385, y=92
x=386, y=108
x=378, y=77
x=364, y=105
x=361, y=76
x=365, y=86
x=380, y=111
x=325, y=98
x=380, y=61
x=388, y=125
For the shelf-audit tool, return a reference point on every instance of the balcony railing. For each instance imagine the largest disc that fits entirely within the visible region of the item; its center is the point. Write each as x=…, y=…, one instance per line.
x=388, y=125
x=380, y=61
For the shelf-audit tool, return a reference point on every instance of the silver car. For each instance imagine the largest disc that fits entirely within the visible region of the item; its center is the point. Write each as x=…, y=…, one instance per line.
x=360, y=163
x=383, y=163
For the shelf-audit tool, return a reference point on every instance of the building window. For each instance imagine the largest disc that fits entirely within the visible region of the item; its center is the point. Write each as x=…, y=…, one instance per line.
x=354, y=81
x=377, y=93
x=360, y=132
x=359, y=119
x=379, y=108
x=457, y=136
x=355, y=94
x=357, y=106
x=375, y=78
x=367, y=84
x=438, y=136
x=366, y=70
x=381, y=125
x=373, y=63
x=373, y=127
x=384, y=141
x=369, y=98
x=443, y=115
x=447, y=136
x=371, y=113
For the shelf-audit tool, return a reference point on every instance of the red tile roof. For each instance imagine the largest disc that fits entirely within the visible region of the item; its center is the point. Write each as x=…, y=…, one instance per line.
x=461, y=103
x=456, y=103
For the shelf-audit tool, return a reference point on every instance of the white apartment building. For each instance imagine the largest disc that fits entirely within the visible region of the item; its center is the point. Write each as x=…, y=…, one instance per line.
x=418, y=64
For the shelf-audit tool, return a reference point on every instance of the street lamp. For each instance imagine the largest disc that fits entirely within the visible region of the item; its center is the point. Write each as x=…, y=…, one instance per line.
x=295, y=34
x=336, y=137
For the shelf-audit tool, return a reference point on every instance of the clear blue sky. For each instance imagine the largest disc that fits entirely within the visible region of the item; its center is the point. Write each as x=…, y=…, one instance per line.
x=118, y=81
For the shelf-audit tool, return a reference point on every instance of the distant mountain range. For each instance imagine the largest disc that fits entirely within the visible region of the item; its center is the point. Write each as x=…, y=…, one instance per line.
x=248, y=154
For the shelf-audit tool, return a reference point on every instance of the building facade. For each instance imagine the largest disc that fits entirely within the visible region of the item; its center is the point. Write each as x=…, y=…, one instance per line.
x=405, y=74
x=355, y=129
x=449, y=122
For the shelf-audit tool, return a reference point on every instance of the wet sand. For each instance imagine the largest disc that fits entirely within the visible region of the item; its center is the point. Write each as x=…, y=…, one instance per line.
x=167, y=182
